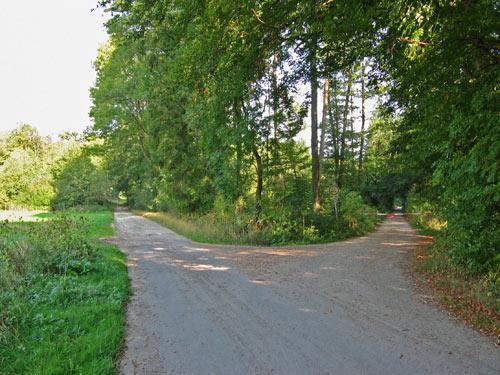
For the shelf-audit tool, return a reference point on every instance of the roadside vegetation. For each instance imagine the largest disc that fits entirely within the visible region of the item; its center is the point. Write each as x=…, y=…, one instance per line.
x=473, y=297
x=62, y=295
x=224, y=224
x=41, y=173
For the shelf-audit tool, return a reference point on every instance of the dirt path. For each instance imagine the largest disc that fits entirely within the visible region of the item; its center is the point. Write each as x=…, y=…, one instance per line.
x=20, y=215
x=344, y=308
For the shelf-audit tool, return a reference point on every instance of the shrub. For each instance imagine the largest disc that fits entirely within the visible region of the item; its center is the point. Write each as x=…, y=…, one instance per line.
x=82, y=183
x=236, y=223
x=356, y=215
x=424, y=214
x=25, y=181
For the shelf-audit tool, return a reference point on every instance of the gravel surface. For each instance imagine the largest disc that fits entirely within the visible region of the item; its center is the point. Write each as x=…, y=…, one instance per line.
x=20, y=215
x=342, y=308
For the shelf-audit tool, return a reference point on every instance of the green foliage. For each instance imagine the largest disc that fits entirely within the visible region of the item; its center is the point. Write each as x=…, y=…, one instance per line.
x=25, y=181
x=25, y=176
x=25, y=137
x=424, y=214
x=235, y=223
x=82, y=183
x=38, y=173
x=201, y=102
x=445, y=72
x=62, y=296
x=357, y=215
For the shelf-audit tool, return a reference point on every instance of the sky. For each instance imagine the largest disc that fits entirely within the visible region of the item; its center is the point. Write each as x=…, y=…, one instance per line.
x=46, y=53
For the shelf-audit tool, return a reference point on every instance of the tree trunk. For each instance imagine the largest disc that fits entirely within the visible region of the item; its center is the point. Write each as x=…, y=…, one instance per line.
x=363, y=119
x=274, y=93
x=258, y=191
x=352, y=134
x=324, y=118
x=314, y=131
x=334, y=123
x=344, y=128
x=237, y=124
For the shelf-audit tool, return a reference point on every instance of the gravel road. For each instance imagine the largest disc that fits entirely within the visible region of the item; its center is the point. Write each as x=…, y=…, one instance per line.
x=342, y=308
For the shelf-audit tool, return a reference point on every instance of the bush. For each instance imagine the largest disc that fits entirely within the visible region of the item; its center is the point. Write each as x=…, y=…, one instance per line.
x=236, y=223
x=356, y=215
x=461, y=226
x=25, y=181
x=82, y=183
x=424, y=214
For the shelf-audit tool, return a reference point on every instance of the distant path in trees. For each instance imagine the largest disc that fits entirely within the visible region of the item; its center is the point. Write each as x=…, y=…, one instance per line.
x=341, y=308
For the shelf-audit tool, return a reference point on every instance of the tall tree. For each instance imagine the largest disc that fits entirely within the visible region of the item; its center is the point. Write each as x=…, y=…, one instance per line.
x=345, y=124
x=315, y=167
x=324, y=118
x=363, y=121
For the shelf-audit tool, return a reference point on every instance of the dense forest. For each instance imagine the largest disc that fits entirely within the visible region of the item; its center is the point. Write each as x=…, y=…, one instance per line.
x=200, y=104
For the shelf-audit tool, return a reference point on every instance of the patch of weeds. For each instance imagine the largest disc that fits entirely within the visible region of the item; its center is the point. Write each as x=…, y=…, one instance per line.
x=473, y=298
x=243, y=229
x=62, y=296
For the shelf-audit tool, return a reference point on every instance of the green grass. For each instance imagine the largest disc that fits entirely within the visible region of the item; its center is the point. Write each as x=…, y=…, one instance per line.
x=97, y=224
x=62, y=296
x=193, y=229
x=240, y=230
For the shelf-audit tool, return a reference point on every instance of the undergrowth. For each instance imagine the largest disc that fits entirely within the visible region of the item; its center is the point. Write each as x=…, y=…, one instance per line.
x=473, y=297
x=62, y=296
x=228, y=224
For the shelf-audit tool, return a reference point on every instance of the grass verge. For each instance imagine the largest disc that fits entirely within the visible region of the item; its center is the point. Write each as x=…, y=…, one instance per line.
x=240, y=230
x=475, y=299
x=193, y=229
x=62, y=295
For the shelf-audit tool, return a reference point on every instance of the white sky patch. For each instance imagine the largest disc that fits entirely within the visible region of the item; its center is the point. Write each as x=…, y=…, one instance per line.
x=46, y=54
x=370, y=106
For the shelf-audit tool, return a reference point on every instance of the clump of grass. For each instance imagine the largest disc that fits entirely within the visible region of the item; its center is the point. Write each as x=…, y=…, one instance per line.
x=243, y=228
x=62, y=296
x=198, y=229
x=237, y=223
x=95, y=223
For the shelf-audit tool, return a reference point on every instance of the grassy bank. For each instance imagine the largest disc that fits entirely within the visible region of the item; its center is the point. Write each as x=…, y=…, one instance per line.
x=473, y=298
x=62, y=295
x=243, y=230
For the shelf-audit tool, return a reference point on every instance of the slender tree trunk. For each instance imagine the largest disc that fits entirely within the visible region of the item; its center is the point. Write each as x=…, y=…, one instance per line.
x=237, y=124
x=275, y=103
x=363, y=119
x=352, y=134
x=334, y=124
x=344, y=128
x=324, y=119
x=258, y=191
x=274, y=93
x=314, y=131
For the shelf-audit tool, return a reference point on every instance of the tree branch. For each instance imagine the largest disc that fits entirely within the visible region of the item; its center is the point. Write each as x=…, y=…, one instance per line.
x=414, y=41
x=258, y=17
